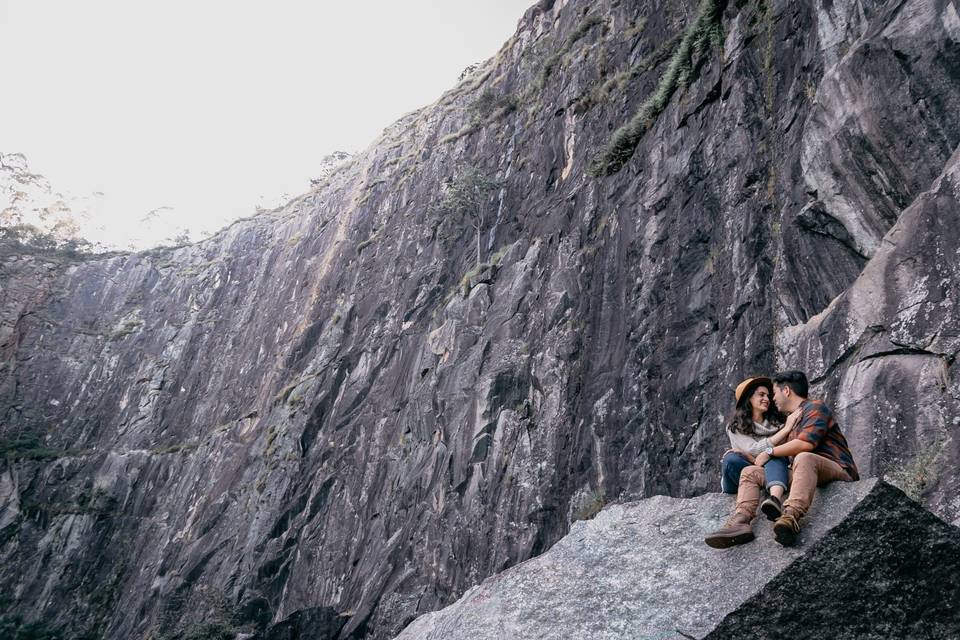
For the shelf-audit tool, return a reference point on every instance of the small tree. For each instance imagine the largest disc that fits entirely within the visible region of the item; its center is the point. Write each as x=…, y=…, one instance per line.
x=34, y=215
x=329, y=165
x=467, y=194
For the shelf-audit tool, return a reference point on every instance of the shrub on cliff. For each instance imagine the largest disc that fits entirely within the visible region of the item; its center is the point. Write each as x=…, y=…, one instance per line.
x=704, y=30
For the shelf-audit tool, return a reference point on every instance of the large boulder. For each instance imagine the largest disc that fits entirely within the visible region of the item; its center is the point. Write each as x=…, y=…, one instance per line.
x=871, y=563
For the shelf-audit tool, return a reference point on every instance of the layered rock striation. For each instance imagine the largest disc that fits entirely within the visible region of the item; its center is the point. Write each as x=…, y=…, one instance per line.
x=330, y=418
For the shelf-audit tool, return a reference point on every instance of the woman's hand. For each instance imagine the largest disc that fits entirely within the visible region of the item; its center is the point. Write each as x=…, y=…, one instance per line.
x=740, y=451
x=785, y=430
x=793, y=418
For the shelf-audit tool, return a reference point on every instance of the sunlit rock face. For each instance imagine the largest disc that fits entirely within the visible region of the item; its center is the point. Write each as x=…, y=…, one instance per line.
x=329, y=419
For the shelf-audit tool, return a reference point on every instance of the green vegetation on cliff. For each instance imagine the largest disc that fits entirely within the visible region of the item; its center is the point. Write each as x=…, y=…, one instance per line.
x=703, y=31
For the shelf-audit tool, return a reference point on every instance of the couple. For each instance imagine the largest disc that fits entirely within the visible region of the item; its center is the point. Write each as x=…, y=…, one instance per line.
x=761, y=451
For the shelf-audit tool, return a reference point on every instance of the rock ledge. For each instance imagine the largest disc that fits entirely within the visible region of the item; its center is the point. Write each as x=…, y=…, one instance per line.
x=871, y=563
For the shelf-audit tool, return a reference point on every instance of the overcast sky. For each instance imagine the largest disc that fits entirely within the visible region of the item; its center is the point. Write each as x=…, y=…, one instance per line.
x=212, y=107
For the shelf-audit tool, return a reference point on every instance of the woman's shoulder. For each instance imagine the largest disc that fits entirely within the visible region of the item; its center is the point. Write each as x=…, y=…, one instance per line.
x=737, y=435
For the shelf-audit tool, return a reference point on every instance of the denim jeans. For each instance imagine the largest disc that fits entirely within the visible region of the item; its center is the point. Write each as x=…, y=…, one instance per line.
x=733, y=463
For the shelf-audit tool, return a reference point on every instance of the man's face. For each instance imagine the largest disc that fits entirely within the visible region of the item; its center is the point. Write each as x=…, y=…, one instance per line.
x=780, y=396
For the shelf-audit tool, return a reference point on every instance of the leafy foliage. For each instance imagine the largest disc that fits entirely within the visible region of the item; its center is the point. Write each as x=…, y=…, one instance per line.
x=28, y=236
x=330, y=165
x=468, y=71
x=465, y=195
x=35, y=216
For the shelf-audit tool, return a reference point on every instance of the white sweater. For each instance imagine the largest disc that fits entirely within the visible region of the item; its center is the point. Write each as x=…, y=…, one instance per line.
x=753, y=444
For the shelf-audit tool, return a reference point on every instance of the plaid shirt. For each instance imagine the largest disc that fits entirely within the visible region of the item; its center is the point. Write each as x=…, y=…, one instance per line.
x=817, y=426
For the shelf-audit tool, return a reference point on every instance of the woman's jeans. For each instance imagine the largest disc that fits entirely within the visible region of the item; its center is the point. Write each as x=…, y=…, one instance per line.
x=733, y=463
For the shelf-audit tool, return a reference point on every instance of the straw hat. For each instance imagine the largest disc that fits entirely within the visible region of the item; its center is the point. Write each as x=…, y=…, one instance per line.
x=745, y=388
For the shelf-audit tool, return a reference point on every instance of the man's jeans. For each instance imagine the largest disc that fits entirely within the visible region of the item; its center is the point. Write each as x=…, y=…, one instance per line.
x=733, y=463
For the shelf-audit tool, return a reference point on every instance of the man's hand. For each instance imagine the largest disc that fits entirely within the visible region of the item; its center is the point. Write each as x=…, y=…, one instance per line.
x=761, y=459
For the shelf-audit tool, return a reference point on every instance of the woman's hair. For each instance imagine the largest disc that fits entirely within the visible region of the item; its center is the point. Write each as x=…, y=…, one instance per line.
x=741, y=420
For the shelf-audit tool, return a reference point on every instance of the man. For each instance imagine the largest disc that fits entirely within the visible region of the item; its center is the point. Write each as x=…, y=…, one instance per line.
x=820, y=455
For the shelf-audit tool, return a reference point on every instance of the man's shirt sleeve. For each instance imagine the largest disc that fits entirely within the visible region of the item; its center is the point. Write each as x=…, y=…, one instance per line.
x=814, y=425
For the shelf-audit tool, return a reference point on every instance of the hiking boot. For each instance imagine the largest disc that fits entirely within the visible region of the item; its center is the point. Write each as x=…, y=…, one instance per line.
x=736, y=530
x=786, y=530
x=772, y=508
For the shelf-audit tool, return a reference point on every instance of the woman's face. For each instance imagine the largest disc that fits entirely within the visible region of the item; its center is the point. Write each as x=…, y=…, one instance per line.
x=760, y=399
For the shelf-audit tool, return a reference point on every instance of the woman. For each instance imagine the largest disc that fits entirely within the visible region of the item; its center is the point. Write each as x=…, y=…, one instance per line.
x=753, y=427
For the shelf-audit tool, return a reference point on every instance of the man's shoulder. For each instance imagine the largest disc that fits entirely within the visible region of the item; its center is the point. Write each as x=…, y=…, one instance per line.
x=812, y=404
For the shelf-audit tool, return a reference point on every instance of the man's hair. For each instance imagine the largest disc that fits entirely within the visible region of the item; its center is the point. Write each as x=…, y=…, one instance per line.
x=796, y=380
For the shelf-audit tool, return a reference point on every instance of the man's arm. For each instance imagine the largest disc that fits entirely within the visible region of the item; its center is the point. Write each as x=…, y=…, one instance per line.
x=792, y=448
x=785, y=450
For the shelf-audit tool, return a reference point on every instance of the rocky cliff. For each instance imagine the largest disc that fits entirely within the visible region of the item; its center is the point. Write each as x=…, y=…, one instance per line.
x=522, y=301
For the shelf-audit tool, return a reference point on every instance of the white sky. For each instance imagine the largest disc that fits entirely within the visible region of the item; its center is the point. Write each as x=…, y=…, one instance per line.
x=212, y=107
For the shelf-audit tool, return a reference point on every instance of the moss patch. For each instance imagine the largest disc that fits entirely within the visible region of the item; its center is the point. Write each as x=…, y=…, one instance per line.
x=920, y=473
x=14, y=627
x=182, y=447
x=486, y=109
x=588, y=504
x=554, y=60
x=29, y=448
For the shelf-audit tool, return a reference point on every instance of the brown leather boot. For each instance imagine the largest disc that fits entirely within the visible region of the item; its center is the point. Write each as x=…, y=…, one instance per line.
x=736, y=530
x=786, y=530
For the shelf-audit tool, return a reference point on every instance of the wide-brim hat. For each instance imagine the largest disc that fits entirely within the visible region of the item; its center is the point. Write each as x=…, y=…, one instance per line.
x=745, y=388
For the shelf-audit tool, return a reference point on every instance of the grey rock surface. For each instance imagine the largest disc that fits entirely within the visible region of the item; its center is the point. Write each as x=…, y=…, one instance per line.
x=886, y=347
x=638, y=570
x=328, y=417
x=871, y=563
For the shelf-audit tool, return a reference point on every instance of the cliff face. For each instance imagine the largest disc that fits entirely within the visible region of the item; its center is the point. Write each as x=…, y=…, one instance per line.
x=329, y=416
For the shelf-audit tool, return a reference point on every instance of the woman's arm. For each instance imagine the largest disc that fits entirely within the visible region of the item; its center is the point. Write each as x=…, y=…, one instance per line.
x=781, y=435
x=737, y=451
x=747, y=445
